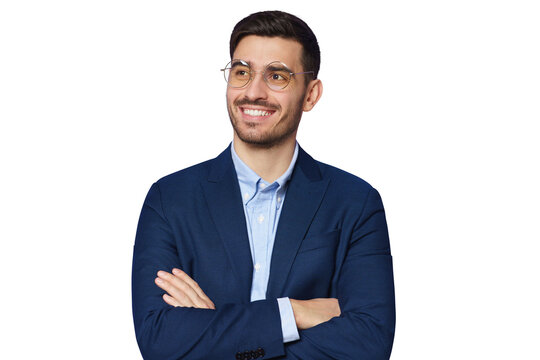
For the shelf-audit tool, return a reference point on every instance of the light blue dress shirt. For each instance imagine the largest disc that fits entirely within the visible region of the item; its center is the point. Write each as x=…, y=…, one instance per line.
x=262, y=207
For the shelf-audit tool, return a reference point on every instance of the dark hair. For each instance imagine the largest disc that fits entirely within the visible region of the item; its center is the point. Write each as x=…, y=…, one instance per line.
x=284, y=25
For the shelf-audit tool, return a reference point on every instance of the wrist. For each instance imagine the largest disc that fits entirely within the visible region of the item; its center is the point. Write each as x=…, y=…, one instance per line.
x=297, y=307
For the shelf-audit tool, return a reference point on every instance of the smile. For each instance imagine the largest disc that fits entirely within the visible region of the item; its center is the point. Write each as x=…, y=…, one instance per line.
x=257, y=112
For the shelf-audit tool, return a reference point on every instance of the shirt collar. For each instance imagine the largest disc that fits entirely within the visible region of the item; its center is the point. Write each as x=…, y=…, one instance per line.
x=283, y=179
x=249, y=179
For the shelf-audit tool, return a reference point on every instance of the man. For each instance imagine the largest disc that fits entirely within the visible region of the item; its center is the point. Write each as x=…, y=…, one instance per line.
x=264, y=252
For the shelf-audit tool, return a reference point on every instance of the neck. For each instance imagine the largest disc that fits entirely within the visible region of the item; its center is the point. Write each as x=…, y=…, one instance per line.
x=268, y=163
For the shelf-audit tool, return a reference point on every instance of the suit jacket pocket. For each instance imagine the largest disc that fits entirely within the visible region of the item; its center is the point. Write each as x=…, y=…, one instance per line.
x=313, y=267
x=329, y=239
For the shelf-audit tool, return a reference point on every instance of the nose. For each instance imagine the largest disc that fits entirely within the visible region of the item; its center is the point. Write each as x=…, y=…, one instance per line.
x=257, y=88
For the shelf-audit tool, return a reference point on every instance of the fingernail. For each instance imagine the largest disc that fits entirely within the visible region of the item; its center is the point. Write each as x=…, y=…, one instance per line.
x=159, y=281
x=161, y=273
x=175, y=271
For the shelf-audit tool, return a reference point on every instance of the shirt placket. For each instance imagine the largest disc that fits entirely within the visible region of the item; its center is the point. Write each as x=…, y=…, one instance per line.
x=260, y=221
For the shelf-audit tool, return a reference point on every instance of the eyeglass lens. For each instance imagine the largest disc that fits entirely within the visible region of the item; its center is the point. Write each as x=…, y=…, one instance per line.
x=238, y=73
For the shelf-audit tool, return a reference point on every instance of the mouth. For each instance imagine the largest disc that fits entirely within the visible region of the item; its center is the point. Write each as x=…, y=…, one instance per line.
x=256, y=113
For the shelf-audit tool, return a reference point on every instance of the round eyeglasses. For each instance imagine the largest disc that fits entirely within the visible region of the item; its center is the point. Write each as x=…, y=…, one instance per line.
x=276, y=75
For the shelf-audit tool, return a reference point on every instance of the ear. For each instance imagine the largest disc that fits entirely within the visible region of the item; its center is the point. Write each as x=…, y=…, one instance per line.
x=313, y=94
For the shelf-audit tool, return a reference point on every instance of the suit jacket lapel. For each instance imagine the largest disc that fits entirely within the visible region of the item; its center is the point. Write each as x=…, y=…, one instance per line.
x=222, y=194
x=304, y=195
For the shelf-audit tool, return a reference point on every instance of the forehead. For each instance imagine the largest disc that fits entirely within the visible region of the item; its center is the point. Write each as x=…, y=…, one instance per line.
x=261, y=50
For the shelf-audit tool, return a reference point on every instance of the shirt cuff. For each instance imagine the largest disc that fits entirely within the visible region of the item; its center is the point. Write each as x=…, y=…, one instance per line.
x=288, y=324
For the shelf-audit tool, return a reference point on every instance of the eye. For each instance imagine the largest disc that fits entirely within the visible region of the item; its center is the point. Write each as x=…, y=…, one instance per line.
x=240, y=72
x=278, y=77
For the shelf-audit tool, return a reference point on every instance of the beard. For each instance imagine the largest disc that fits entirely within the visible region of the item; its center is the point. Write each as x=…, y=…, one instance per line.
x=250, y=133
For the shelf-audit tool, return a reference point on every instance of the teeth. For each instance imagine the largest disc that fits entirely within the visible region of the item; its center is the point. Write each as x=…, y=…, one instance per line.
x=253, y=112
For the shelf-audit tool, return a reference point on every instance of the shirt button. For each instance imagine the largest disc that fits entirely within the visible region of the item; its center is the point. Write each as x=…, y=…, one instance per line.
x=257, y=267
x=260, y=219
x=279, y=199
x=262, y=185
x=246, y=196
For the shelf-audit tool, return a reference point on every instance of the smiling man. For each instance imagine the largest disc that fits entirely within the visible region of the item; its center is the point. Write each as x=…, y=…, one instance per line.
x=264, y=252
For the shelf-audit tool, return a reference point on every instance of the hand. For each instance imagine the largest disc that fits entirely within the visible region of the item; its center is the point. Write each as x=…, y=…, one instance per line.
x=310, y=313
x=182, y=290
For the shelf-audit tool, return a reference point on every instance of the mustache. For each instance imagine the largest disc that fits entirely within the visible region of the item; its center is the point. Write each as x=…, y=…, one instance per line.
x=258, y=102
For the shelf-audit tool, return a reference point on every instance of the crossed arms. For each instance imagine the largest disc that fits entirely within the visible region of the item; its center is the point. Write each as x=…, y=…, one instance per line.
x=183, y=291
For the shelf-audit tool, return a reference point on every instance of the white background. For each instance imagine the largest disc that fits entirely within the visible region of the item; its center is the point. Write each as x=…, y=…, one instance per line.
x=435, y=103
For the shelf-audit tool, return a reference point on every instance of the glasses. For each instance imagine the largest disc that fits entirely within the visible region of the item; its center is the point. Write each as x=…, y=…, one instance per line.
x=276, y=75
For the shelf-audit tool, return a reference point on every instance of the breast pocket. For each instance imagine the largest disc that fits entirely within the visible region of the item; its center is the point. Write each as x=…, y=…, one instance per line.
x=313, y=268
x=319, y=241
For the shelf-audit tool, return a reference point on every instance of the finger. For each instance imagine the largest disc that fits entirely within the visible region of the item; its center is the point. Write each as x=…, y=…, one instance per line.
x=211, y=304
x=199, y=297
x=171, y=301
x=195, y=286
x=184, y=288
x=173, y=291
x=192, y=283
x=190, y=292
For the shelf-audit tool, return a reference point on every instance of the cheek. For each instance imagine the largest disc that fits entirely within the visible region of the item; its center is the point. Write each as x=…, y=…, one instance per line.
x=228, y=96
x=292, y=103
x=231, y=95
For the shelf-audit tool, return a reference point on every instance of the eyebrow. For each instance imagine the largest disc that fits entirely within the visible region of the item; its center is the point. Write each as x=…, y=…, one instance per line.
x=277, y=68
x=237, y=62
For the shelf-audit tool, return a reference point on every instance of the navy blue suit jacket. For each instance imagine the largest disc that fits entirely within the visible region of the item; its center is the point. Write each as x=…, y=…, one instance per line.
x=331, y=241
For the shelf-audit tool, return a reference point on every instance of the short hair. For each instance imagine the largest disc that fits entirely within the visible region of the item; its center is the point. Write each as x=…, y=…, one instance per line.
x=284, y=25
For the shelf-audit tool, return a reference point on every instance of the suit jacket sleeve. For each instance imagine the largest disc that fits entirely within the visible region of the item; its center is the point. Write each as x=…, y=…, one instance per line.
x=365, y=290
x=166, y=332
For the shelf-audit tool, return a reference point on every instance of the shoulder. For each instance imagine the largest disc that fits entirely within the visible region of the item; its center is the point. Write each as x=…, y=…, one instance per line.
x=348, y=194
x=181, y=189
x=192, y=176
x=176, y=188
x=185, y=177
x=316, y=170
x=343, y=182
x=346, y=190
x=342, y=178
